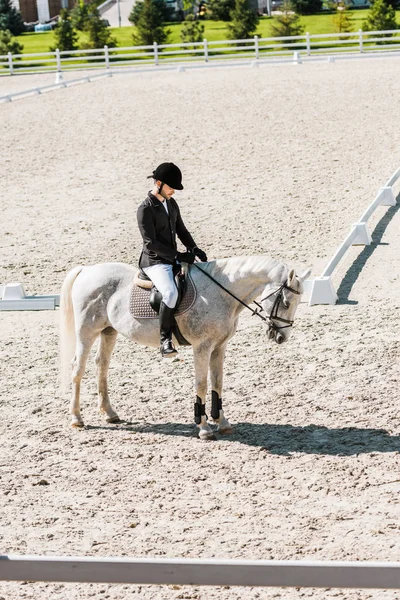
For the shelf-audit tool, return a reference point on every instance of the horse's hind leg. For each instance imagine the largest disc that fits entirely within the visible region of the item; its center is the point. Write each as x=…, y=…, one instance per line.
x=83, y=346
x=216, y=376
x=108, y=338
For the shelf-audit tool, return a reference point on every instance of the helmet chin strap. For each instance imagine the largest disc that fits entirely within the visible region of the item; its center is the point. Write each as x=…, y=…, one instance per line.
x=160, y=191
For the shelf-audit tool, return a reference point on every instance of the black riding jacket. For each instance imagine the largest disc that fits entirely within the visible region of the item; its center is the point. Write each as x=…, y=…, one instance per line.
x=159, y=231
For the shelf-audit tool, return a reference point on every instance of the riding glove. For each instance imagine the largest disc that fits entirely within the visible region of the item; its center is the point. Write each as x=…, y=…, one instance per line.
x=200, y=254
x=186, y=257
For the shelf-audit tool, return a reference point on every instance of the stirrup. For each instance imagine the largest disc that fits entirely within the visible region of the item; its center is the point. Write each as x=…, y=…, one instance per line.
x=167, y=349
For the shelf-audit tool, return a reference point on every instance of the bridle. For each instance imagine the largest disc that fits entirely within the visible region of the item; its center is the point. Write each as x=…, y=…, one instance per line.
x=269, y=318
x=273, y=315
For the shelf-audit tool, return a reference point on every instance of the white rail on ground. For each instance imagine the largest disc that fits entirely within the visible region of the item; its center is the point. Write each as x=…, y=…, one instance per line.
x=261, y=573
x=321, y=289
x=13, y=297
x=305, y=46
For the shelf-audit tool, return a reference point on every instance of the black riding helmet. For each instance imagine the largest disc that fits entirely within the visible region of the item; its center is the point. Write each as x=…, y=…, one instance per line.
x=170, y=174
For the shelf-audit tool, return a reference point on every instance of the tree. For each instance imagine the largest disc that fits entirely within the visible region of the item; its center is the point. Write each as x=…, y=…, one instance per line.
x=97, y=31
x=244, y=21
x=9, y=44
x=10, y=18
x=80, y=15
x=342, y=18
x=64, y=34
x=150, y=26
x=381, y=17
x=192, y=30
x=307, y=7
x=220, y=10
x=165, y=11
x=288, y=23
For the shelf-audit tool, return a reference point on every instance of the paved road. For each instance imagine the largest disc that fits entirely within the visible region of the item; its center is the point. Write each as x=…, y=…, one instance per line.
x=125, y=7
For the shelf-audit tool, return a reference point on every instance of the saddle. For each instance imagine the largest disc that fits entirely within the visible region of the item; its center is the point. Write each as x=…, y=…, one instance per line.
x=145, y=299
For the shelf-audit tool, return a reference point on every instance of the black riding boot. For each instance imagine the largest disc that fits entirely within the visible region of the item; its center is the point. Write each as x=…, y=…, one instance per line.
x=166, y=315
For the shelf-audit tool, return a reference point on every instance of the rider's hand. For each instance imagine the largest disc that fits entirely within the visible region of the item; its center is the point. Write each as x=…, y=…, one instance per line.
x=186, y=257
x=200, y=254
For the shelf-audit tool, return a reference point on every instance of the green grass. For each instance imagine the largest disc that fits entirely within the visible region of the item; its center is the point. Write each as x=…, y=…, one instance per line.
x=214, y=30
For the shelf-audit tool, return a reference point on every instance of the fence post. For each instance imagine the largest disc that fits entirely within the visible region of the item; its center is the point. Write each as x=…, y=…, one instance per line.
x=155, y=50
x=360, y=32
x=308, y=43
x=10, y=63
x=107, y=57
x=256, y=49
x=205, y=50
x=58, y=58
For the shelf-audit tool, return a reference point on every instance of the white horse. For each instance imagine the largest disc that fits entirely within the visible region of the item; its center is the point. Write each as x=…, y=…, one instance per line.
x=95, y=302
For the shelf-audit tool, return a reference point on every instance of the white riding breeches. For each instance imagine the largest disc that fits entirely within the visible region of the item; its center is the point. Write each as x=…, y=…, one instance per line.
x=163, y=278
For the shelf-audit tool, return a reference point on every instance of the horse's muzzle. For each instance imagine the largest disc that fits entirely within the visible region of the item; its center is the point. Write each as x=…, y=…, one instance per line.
x=275, y=334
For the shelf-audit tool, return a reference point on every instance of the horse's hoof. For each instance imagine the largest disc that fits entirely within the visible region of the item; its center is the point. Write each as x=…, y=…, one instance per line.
x=77, y=424
x=115, y=419
x=206, y=435
x=225, y=430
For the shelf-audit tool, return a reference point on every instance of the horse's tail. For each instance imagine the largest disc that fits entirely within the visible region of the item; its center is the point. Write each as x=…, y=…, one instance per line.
x=67, y=326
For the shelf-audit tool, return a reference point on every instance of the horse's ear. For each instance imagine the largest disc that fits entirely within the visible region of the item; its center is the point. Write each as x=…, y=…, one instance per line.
x=291, y=277
x=305, y=275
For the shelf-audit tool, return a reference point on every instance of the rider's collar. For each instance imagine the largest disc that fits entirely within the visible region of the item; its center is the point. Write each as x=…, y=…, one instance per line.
x=155, y=201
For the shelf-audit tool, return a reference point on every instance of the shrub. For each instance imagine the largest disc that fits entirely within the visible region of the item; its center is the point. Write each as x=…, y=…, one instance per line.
x=244, y=21
x=150, y=26
x=307, y=7
x=96, y=28
x=64, y=34
x=288, y=23
x=381, y=17
x=192, y=30
x=220, y=10
x=165, y=11
x=80, y=15
x=342, y=18
x=10, y=18
x=9, y=44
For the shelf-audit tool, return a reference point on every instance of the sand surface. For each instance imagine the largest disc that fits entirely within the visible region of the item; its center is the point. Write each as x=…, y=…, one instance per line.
x=279, y=160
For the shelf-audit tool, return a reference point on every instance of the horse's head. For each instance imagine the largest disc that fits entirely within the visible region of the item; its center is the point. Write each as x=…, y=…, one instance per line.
x=280, y=303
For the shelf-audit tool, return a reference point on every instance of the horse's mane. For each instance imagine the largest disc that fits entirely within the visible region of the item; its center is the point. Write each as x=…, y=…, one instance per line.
x=262, y=265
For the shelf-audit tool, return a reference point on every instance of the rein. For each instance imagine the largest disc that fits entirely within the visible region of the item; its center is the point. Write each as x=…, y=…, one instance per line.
x=259, y=310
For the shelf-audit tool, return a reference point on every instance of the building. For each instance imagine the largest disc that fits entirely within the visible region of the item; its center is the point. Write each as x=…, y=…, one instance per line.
x=41, y=10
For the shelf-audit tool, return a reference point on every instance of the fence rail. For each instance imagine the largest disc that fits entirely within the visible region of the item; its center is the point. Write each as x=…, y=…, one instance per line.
x=245, y=573
x=258, y=48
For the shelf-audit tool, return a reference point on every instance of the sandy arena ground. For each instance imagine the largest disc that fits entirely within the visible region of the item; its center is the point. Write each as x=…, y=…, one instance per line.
x=279, y=160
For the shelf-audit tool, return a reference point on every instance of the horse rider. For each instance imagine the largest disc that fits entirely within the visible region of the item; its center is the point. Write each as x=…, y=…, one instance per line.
x=160, y=221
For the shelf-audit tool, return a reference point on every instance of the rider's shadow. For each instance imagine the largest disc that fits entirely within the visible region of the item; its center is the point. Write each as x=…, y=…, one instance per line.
x=356, y=268
x=283, y=440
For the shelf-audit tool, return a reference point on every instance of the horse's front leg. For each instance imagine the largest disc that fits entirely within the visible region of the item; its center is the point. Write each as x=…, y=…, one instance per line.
x=201, y=363
x=216, y=376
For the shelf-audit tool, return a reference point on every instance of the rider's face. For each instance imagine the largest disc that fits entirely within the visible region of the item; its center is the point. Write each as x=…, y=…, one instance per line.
x=166, y=191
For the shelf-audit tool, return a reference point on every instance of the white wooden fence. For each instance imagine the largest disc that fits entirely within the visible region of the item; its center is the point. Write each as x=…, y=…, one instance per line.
x=361, y=42
x=260, y=573
x=321, y=289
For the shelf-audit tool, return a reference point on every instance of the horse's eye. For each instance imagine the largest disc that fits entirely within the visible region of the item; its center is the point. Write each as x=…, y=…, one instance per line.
x=286, y=303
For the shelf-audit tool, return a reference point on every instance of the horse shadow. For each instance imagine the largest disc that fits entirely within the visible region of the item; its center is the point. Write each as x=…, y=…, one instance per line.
x=356, y=268
x=283, y=440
